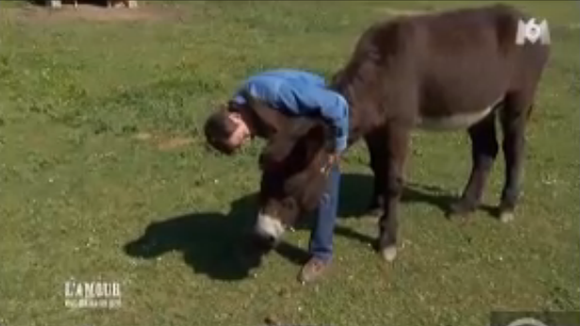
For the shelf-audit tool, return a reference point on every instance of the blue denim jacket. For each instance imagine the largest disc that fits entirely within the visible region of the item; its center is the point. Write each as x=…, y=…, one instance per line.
x=300, y=93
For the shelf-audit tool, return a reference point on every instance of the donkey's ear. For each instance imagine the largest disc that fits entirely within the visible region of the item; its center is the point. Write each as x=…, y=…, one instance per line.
x=322, y=137
x=318, y=139
x=276, y=151
x=271, y=118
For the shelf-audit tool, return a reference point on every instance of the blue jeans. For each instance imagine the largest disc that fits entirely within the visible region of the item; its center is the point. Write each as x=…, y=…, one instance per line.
x=322, y=234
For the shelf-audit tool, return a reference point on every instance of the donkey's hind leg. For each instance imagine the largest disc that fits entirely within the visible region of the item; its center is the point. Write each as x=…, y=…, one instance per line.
x=484, y=149
x=513, y=121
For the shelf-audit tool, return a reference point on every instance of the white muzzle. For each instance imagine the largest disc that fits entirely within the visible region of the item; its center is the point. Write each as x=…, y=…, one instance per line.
x=269, y=227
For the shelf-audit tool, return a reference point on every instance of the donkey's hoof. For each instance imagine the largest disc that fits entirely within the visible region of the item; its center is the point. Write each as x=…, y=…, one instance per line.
x=460, y=208
x=506, y=217
x=374, y=209
x=375, y=206
x=389, y=253
x=375, y=212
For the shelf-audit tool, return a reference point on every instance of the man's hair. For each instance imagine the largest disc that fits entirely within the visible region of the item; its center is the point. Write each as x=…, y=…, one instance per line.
x=218, y=129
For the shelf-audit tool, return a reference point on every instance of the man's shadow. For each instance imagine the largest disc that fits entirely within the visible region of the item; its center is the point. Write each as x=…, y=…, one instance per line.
x=213, y=243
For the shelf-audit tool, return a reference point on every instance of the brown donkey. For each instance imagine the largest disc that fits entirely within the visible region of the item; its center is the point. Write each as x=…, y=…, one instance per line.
x=445, y=71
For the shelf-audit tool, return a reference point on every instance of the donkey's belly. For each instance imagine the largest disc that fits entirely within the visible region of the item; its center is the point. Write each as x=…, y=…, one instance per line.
x=459, y=120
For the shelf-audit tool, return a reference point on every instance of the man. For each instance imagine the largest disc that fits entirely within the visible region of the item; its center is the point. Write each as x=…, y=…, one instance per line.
x=293, y=93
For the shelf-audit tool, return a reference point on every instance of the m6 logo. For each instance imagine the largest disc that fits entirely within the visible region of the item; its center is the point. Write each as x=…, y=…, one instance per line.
x=532, y=32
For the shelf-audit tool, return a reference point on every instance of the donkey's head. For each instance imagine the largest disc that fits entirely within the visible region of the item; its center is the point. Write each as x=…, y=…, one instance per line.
x=294, y=168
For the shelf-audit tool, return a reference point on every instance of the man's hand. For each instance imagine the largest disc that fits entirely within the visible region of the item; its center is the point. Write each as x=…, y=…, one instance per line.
x=334, y=158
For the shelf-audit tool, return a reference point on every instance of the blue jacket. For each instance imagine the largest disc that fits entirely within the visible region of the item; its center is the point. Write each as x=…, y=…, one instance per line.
x=300, y=93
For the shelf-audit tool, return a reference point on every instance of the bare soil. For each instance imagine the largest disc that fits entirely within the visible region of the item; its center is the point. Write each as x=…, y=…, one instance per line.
x=89, y=12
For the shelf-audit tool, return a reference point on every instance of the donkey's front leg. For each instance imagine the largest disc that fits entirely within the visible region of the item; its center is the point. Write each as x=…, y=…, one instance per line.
x=377, y=143
x=396, y=152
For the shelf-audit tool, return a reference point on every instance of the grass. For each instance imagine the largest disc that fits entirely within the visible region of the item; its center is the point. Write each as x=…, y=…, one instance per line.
x=100, y=137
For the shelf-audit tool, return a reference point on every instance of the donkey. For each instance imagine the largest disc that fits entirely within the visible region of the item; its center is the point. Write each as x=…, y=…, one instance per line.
x=446, y=71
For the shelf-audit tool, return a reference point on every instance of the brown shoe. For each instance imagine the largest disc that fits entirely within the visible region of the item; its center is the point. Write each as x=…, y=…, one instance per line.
x=312, y=269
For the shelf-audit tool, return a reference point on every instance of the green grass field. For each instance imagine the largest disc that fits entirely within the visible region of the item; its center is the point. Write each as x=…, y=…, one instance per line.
x=100, y=136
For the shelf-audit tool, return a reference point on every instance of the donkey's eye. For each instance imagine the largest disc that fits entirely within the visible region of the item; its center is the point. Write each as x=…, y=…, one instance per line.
x=262, y=162
x=265, y=161
x=288, y=204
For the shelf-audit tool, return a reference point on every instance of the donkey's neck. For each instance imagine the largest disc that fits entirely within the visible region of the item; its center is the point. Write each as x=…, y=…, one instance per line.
x=358, y=84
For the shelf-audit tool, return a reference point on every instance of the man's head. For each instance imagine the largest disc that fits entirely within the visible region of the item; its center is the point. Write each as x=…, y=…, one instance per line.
x=227, y=130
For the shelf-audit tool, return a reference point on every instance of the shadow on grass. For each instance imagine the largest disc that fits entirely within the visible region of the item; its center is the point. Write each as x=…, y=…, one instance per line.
x=215, y=244
x=208, y=241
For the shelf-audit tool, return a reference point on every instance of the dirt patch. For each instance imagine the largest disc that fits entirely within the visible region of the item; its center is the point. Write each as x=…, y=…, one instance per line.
x=87, y=12
x=164, y=142
x=401, y=12
x=143, y=136
x=174, y=143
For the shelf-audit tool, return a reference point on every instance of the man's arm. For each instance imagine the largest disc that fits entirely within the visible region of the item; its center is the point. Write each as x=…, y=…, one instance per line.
x=336, y=113
x=322, y=102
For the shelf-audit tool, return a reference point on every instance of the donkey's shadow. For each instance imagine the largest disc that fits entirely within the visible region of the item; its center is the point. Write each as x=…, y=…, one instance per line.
x=213, y=243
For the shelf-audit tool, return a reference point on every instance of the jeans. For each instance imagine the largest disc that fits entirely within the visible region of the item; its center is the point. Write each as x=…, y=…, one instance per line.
x=322, y=234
